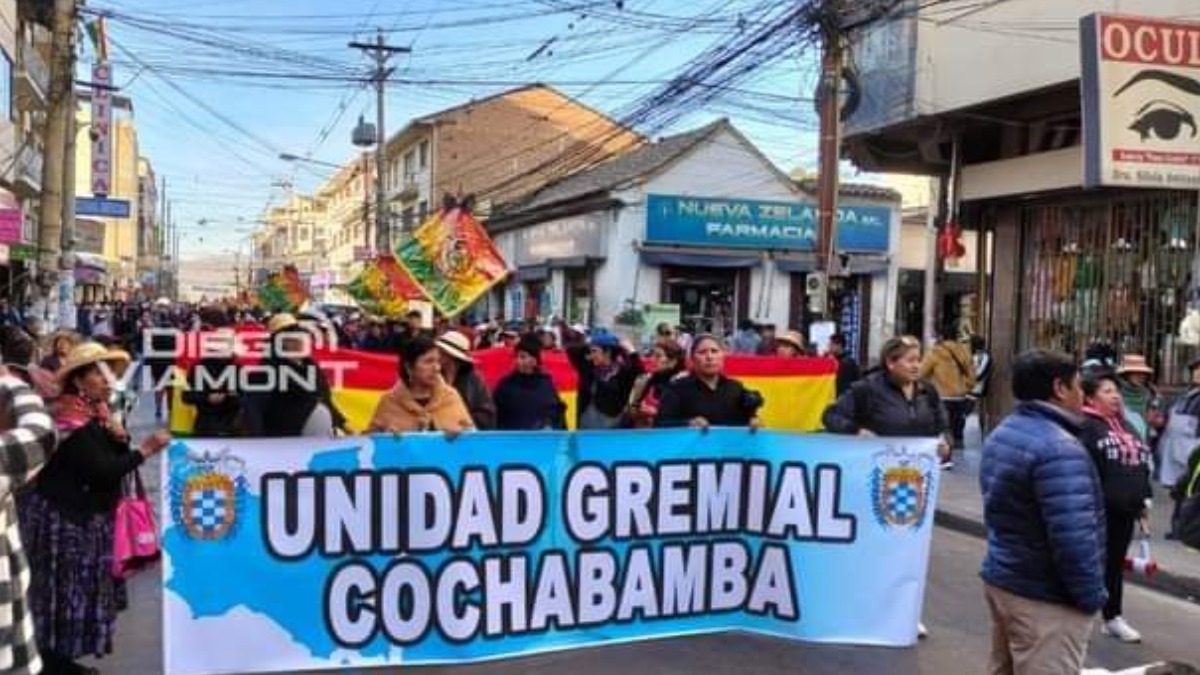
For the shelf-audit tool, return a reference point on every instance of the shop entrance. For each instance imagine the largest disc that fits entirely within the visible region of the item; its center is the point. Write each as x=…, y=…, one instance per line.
x=579, y=296
x=707, y=298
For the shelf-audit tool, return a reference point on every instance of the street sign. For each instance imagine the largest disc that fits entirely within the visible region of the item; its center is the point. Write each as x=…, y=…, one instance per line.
x=101, y=132
x=100, y=206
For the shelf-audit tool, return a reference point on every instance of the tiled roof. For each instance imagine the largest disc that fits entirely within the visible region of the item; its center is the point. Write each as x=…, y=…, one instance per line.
x=630, y=166
x=860, y=190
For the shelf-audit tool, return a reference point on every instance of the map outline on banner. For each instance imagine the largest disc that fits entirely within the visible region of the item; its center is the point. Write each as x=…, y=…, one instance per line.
x=837, y=555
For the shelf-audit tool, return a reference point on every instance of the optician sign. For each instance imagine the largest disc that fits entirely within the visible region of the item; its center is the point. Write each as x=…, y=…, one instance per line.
x=1141, y=97
x=756, y=224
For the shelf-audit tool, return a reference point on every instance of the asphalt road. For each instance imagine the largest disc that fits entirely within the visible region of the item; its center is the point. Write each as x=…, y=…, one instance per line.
x=955, y=614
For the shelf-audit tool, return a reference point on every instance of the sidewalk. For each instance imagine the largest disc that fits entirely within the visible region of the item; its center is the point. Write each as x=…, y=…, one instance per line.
x=960, y=508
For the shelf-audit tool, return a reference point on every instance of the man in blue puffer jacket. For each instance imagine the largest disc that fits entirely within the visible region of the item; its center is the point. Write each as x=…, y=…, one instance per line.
x=1044, y=510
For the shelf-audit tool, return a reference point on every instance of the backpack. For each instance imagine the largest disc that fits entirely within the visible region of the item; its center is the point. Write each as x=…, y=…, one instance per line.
x=1187, y=524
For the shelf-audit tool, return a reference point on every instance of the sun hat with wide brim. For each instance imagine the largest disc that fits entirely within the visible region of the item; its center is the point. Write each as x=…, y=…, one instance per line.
x=89, y=353
x=792, y=338
x=1134, y=363
x=281, y=321
x=456, y=345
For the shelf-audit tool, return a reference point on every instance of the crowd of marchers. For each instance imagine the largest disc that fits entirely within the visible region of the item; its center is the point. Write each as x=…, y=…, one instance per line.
x=1065, y=476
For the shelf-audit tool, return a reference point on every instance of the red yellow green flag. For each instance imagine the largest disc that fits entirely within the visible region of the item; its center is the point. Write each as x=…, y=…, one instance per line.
x=284, y=291
x=384, y=287
x=452, y=260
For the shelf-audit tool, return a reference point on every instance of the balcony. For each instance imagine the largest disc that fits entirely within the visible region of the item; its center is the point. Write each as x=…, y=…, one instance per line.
x=28, y=171
x=410, y=188
x=32, y=79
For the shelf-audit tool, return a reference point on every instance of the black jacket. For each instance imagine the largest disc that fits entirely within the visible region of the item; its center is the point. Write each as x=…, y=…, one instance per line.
x=83, y=477
x=687, y=398
x=879, y=406
x=475, y=395
x=1124, y=477
x=610, y=396
x=847, y=374
x=213, y=419
x=283, y=412
x=529, y=403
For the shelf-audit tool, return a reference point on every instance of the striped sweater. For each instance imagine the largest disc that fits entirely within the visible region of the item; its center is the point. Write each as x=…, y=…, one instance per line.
x=25, y=444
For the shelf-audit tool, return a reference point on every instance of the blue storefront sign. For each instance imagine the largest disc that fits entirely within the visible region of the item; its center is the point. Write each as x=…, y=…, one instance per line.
x=758, y=224
x=102, y=206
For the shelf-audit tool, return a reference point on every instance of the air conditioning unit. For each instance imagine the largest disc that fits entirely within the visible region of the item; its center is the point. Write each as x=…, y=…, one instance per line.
x=816, y=286
x=815, y=283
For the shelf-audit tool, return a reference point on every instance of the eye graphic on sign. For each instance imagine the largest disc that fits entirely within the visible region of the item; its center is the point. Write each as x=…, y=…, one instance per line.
x=1163, y=120
x=1159, y=118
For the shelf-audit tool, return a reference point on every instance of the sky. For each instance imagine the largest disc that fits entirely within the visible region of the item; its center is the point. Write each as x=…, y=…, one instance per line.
x=220, y=88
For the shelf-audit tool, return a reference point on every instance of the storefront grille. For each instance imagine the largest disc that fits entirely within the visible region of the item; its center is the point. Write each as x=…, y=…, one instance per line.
x=1112, y=268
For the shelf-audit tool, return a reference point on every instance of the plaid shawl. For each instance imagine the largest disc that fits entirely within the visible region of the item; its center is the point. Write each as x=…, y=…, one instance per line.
x=25, y=444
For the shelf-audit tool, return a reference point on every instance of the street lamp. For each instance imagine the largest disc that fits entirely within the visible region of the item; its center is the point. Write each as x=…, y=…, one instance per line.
x=289, y=157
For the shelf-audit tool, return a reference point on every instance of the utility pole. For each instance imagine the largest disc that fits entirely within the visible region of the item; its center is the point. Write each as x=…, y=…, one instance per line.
x=61, y=108
x=830, y=139
x=66, y=310
x=159, y=236
x=380, y=52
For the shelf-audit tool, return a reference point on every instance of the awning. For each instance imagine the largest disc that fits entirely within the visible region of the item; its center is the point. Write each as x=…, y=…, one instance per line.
x=569, y=263
x=573, y=262
x=719, y=258
x=533, y=273
x=855, y=263
x=796, y=264
x=866, y=264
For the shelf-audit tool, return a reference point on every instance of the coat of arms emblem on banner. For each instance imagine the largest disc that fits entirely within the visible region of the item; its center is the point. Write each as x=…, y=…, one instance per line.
x=207, y=495
x=900, y=486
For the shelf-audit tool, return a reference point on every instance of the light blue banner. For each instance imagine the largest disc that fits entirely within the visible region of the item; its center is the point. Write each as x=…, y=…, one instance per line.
x=757, y=224
x=298, y=554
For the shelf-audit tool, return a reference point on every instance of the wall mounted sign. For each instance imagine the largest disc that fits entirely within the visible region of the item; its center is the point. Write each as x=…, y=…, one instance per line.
x=1141, y=97
x=762, y=225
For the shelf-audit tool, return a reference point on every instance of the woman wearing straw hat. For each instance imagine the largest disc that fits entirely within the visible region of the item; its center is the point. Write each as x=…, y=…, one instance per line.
x=790, y=345
x=1143, y=406
x=67, y=521
x=458, y=368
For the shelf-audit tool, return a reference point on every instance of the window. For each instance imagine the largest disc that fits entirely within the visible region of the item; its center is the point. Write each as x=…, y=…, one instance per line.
x=423, y=155
x=422, y=210
x=6, y=85
x=409, y=162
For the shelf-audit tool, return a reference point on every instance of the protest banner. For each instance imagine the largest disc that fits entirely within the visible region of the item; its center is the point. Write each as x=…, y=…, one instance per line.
x=796, y=391
x=306, y=553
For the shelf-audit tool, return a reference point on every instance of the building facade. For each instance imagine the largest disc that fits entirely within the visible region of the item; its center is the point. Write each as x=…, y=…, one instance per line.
x=149, y=254
x=24, y=47
x=347, y=201
x=498, y=148
x=107, y=248
x=700, y=228
x=1067, y=262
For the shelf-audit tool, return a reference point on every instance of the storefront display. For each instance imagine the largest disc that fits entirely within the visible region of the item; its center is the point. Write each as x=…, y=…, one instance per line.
x=707, y=298
x=1114, y=267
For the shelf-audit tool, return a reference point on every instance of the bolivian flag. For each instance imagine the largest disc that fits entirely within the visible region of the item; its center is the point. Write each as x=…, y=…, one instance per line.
x=452, y=259
x=796, y=391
